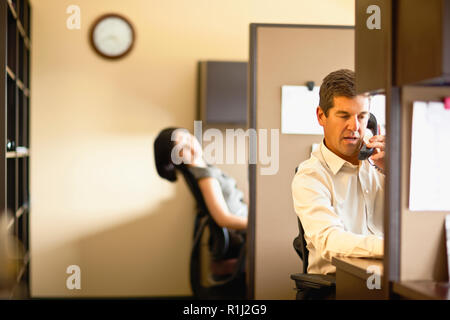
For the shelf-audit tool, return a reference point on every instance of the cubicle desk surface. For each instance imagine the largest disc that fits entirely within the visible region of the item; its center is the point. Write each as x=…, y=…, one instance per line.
x=423, y=290
x=352, y=275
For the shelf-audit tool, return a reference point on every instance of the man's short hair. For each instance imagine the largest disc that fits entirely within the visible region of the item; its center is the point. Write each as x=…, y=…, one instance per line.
x=340, y=83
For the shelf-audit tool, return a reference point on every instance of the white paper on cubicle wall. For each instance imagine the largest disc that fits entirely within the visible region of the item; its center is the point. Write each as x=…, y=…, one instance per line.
x=298, y=110
x=378, y=108
x=429, y=188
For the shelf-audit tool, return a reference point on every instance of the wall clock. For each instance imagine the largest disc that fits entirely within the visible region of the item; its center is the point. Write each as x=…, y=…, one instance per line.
x=112, y=36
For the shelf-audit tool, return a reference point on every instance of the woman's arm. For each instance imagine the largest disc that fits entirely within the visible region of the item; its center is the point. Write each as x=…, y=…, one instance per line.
x=212, y=193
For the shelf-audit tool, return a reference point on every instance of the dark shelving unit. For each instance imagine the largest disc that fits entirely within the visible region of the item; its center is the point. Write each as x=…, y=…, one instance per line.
x=15, y=47
x=408, y=59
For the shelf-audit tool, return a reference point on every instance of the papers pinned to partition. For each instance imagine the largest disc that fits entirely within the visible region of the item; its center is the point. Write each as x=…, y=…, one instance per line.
x=298, y=110
x=378, y=108
x=430, y=154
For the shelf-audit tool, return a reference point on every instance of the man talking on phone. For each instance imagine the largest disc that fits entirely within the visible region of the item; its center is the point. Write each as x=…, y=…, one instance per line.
x=339, y=198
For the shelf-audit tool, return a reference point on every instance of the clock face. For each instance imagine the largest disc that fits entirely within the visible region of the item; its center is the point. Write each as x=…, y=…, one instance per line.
x=112, y=36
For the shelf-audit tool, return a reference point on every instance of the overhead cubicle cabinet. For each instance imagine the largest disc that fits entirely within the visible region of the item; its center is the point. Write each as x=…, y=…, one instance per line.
x=223, y=92
x=372, y=44
x=423, y=42
x=415, y=33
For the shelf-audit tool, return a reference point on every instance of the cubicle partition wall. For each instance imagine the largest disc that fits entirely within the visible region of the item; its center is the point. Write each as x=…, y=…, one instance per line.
x=283, y=55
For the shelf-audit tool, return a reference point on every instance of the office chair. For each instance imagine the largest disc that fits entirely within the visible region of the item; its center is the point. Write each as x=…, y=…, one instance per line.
x=311, y=286
x=226, y=274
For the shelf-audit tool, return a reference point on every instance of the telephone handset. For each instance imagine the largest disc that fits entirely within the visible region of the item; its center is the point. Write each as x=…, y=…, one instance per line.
x=372, y=125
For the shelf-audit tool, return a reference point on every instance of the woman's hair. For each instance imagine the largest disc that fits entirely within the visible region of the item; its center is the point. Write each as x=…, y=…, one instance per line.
x=163, y=149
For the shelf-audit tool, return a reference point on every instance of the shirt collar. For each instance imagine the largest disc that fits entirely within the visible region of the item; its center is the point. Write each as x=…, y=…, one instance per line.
x=333, y=161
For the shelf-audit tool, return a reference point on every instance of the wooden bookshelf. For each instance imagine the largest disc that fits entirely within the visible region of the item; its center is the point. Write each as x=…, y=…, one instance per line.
x=14, y=137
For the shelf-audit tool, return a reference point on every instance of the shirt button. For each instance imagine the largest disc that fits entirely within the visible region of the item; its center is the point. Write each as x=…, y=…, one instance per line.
x=367, y=191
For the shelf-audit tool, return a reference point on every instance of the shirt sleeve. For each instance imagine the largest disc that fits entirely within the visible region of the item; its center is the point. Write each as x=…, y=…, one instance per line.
x=322, y=225
x=200, y=172
x=378, y=210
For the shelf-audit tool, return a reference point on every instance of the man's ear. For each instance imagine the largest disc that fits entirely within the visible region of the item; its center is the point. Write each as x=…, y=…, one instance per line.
x=320, y=116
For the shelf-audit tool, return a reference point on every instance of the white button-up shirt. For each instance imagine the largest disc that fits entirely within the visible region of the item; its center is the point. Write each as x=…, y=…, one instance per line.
x=340, y=206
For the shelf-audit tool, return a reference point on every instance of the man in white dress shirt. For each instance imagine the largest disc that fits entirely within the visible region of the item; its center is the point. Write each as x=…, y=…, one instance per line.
x=338, y=198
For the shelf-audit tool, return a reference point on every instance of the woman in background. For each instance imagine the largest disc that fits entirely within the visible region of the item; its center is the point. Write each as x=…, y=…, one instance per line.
x=176, y=146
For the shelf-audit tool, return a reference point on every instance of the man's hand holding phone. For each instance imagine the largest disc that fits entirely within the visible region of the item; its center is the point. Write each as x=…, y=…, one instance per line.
x=378, y=143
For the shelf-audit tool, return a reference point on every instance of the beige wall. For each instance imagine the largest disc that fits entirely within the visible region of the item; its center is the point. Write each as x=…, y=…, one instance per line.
x=96, y=199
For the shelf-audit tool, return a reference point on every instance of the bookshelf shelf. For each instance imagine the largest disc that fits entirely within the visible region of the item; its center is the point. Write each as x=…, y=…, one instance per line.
x=12, y=8
x=23, y=268
x=20, y=85
x=10, y=73
x=21, y=211
x=10, y=224
x=21, y=30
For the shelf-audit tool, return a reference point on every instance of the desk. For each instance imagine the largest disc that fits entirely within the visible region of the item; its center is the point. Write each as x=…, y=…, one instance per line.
x=423, y=290
x=352, y=275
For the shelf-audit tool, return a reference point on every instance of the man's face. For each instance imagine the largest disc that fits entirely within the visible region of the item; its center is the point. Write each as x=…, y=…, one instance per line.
x=345, y=126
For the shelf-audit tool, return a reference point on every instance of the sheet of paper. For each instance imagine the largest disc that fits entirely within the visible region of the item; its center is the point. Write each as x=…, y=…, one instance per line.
x=298, y=110
x=430, y=154
x=378, y=108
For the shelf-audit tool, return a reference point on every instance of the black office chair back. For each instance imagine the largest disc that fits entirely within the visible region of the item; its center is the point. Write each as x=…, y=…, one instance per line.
x=300, y=246
x=219, y=240
x=233, y=285
x=300, y=243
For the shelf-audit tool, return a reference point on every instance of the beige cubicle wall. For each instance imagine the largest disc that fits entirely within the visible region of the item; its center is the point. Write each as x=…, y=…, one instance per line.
x=422, y=245
x=284, y=55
